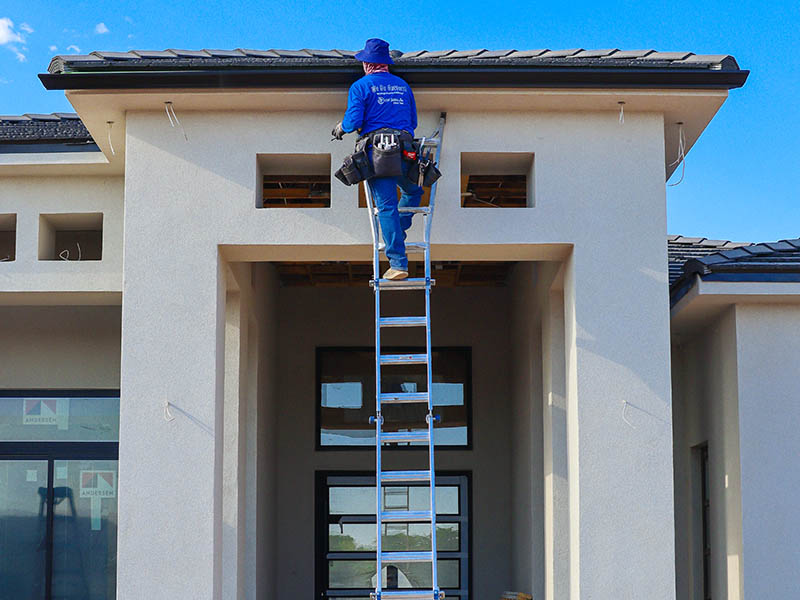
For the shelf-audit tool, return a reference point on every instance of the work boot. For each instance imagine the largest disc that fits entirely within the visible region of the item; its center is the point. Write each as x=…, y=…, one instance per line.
x=394, y=274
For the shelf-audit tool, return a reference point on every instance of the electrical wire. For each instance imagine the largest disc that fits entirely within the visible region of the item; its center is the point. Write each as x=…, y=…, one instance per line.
x=681, y=155
x=108, y=131
x=171, y=115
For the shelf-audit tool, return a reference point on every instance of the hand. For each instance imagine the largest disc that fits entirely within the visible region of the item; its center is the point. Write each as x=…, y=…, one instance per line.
x=337, y=132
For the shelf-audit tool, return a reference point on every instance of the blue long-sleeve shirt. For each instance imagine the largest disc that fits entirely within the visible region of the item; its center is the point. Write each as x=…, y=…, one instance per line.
x=380, y=100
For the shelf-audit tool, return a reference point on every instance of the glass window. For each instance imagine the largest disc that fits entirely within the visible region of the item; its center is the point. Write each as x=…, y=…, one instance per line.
x=23, y=529
x=347, y=567
x=59, y=418
x=346, y=397
x=58, y=495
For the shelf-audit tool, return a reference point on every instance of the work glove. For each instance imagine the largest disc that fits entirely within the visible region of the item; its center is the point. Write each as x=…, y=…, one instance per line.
x=337, y=132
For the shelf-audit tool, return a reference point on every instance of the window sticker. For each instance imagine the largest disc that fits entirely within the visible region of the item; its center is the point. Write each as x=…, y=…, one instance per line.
x=97, y=485
x=31, y=475
x=46, y=411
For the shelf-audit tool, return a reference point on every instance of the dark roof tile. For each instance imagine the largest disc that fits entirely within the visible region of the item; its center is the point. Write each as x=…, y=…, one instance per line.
x=43, y=128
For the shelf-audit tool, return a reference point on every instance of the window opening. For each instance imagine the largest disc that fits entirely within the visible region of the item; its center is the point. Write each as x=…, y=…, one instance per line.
x=71, y=236
x=8, y=238
x=346, y=536
x=497, y=180
x=294, y=180
x=346, y=397
x=58, y=494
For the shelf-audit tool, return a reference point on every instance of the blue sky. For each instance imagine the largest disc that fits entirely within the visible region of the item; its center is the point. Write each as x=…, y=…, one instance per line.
x=742, y=177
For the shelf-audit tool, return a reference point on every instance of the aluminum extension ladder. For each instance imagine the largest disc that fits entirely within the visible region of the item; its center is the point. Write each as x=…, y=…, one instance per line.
x=428, y=145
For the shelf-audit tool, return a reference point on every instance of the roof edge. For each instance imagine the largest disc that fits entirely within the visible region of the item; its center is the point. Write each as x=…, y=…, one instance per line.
x=417, y=75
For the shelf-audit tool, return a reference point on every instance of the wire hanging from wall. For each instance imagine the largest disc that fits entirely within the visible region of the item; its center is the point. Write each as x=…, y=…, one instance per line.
x=173, y=118
x=167, y=414
x=621, y=112
x=64, y=254
x=109, y=124
x=681, y=154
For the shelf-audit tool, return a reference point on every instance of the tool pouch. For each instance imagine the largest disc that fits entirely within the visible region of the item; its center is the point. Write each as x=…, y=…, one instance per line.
x=387, y=155
x=423, y=172
x=355, y=168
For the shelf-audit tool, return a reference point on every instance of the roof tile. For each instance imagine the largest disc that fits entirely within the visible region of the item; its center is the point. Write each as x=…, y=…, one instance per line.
x=526, y=53
x=668, y=56
x=561, y=53
x=595, y=53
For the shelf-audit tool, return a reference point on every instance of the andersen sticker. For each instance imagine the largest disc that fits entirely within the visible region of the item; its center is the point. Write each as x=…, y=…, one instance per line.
x=46, y=411
x=98, y=484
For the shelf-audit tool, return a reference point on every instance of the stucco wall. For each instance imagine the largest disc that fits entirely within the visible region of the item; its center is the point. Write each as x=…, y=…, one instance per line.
x=599, y=186
x=28, y=197
x=706, y=396
x=59, y=347
x=478, y=318
x=768, y=344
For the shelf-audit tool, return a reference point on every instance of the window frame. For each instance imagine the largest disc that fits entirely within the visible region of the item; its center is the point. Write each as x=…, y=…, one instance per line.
x=462, y=479
x=50, y=452
x=398, y=350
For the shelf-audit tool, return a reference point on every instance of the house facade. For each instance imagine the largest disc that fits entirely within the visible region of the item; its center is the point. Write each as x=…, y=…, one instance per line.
x=187, y=329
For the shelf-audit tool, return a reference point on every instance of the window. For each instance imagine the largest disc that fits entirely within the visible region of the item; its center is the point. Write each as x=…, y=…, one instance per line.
x=346, y=536
x=71, y=236
x=346, y=396
x=8, y=238
x=58, y=494
x=705, y=511
x=294, y=180
x=496, y=179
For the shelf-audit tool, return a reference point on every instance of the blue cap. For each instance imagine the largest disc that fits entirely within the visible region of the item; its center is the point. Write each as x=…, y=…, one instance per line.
x=375, y=51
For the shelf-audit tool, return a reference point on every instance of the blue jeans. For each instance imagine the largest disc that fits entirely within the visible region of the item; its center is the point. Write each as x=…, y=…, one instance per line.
x=393, y=224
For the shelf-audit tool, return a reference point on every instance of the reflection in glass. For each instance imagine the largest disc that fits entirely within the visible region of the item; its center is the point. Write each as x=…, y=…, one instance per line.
x=23, y=529
x=85, y=530
x=399, y=537
x=344, y=373
x=360, y=500
x=59, y=419
x=361, y=574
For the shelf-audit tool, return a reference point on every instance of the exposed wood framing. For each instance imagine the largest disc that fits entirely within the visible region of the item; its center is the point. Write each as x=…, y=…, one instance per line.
x=297, y=191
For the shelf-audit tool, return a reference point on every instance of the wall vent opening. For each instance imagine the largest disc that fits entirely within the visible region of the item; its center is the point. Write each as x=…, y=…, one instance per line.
x=497, y=180
x=71, y=236
x=294, y=181
x=8, y=238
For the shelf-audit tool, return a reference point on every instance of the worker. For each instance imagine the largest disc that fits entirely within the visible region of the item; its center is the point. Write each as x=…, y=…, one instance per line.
x=382, y=102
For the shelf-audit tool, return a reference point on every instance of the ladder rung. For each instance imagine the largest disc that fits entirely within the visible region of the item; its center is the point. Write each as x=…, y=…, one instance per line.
x=405, y=476
x=412, y=283
x=410, y=246
x=403, y=516
x=404, y=397
x=403, y=321
x=396, y=557
x=404, y=359
x=415, y=209
x=404, y=436
x=410, y=594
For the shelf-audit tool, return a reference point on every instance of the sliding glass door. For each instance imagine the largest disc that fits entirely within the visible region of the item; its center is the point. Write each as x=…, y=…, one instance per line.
x=58, y=495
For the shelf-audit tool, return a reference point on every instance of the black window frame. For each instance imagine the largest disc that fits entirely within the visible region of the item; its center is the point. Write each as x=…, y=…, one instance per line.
x=361, y=478
x=319, y=447
x=52, y=451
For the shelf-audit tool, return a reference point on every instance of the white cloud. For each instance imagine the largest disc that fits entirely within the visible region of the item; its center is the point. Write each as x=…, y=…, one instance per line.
x=53, y=48
x=10, y=37
x=128, y=20
x=4, y=81
x=74, y=48
x=101, y=28
x=26, y=28
x=7, y=33
x=131, y=36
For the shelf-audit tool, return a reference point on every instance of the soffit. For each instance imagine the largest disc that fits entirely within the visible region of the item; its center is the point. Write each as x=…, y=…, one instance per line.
x=693, y=108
